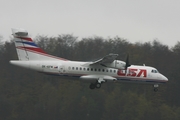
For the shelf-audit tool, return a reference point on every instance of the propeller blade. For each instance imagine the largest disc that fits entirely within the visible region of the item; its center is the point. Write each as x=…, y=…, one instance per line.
x=127, y=62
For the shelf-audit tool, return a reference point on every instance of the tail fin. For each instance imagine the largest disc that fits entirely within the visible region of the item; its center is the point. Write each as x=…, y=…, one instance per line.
x=27, y=49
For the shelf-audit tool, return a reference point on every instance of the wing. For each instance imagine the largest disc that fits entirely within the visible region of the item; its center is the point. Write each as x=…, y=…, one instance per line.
x=107, y=59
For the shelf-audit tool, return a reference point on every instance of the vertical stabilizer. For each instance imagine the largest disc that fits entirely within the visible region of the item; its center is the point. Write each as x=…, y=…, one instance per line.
x=21, y=36
x=27, y=49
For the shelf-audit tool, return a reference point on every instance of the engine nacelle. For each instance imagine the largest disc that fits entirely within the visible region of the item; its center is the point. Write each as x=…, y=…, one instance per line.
x=117, y=64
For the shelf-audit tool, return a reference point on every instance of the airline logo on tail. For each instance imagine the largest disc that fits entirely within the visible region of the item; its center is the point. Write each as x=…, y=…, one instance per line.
x=28, y=45
x=27, y=49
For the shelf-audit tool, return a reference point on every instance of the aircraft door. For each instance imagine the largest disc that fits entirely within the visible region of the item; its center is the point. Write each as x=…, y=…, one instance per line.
x=62, y=69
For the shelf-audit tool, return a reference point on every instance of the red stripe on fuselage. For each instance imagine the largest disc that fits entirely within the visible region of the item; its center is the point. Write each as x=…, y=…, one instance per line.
x=125, y=79
x=24, y=38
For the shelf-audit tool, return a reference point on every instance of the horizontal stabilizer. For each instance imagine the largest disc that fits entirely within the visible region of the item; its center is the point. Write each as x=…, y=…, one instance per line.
x=19, y=32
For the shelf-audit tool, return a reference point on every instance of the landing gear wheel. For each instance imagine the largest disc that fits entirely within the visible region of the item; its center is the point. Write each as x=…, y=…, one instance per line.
x=155, y=89
x=92, y=86
x=98, y=85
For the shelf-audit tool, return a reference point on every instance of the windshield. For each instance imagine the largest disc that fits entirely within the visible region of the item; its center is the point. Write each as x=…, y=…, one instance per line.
x=154, y=71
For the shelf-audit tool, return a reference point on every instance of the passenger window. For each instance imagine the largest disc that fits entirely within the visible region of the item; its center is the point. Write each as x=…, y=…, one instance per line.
x=114, y=71
x=80, y=68
x=103, y=70
x=87, y=69
x=95, y=69
x=73, y=68
x=91, y=69
x=84, y=69
x=107, y=70
x=110, y=70
x=99, y=70
x=76, y=68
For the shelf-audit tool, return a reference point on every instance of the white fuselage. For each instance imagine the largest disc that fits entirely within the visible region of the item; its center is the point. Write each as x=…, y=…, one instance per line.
x=106, y=69
x=134, y=73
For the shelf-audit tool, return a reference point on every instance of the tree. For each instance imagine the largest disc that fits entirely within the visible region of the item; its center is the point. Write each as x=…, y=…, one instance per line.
x=25, y=94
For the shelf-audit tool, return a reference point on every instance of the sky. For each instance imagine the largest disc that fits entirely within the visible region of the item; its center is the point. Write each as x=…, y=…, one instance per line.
x=134, y=20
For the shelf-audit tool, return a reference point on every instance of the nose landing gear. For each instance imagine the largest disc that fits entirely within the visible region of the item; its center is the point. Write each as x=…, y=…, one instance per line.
x=156, y=87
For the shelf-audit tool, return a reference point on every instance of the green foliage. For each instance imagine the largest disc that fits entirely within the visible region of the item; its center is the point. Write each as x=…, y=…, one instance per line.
x=25, y=94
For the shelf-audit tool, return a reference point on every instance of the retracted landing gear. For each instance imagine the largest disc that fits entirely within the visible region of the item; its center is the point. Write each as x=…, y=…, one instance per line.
x=156, y=87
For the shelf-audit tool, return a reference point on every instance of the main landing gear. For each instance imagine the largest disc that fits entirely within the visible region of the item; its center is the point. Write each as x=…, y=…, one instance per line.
x=97, y=84
x=156, y=87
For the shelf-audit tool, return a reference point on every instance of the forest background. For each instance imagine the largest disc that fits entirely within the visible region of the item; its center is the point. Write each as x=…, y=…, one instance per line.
x=28, y=95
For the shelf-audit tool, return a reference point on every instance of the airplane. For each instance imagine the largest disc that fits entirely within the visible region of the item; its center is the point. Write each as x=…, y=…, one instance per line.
x=106, y=69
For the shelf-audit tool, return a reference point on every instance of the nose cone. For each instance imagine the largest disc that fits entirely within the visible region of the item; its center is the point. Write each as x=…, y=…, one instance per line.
x=164, y=78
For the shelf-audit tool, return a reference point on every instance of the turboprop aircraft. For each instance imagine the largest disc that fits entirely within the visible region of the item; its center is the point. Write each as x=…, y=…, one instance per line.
x=106, y=69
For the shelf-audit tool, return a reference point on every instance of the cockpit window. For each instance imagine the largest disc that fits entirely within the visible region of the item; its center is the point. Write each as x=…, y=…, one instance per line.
x=154, y=71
